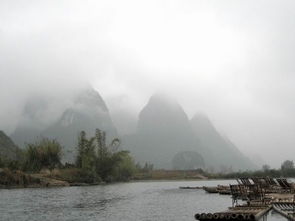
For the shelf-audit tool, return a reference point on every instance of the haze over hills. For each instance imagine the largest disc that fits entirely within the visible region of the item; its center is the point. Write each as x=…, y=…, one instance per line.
x=86, y=111
x=31, y=123
x=232, y=66
x=164, y=136
x=216, y=149
x=164, y=131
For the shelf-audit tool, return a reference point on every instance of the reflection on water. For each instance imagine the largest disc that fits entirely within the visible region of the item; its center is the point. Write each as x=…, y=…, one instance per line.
x=126, y=201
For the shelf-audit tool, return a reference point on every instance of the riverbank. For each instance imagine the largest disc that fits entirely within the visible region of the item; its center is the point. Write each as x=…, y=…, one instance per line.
x=169, y=175
x=75, y=177
x=19, y=179
x=56, y=178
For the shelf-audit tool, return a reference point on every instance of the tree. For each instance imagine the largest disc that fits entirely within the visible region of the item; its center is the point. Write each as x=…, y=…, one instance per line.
x=108, y=156
x=97, y=158
x=287, y=164
x=86, y=152
x=148, y=167
x=265, y=167
x=125, y=168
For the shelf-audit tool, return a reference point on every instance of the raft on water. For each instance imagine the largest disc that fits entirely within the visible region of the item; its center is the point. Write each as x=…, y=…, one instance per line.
x=221, y=189
x=261, y=195
x=190, y=187
x=242, y=213
x=210, y=189
x=225, y=190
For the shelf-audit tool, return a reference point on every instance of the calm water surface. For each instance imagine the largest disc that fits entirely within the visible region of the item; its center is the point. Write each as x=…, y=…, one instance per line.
x=125, y=201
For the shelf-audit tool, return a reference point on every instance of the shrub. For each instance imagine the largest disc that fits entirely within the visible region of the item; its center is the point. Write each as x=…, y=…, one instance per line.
x=95, y=156
x=43, y=154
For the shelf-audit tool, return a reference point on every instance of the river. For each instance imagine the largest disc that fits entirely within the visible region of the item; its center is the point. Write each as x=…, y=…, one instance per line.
x=134, y=201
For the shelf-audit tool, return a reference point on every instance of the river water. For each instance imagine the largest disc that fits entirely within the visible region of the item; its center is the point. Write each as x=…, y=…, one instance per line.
x=135, y=201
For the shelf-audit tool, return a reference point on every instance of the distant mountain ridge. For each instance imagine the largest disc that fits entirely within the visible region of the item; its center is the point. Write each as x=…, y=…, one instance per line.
x=87, y=112
x=164, y=136
x=164, y=131
x=218, y=150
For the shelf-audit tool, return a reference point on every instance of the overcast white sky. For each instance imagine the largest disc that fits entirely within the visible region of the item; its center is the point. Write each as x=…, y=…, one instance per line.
x=233, y=60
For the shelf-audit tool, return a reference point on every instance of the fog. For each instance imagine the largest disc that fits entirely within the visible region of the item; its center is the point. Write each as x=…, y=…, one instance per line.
x=233, y=60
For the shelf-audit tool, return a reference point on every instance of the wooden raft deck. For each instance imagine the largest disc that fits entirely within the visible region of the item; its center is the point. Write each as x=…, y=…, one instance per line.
x=260, y=195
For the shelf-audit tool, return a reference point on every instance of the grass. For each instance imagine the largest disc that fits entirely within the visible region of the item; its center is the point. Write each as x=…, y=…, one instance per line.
x=169, y=175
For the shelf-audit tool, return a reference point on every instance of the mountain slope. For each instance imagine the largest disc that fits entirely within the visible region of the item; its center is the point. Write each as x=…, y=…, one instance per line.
x=163, y=131
x=166, y=138
x=7, y=148
x=82, y=110
x=217, y=150
x=88, y=113
x=31, y=122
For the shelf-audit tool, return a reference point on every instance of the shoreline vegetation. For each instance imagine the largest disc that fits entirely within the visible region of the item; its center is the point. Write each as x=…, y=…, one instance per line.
x=39, y=165
x=69, y=177
x=10, y=179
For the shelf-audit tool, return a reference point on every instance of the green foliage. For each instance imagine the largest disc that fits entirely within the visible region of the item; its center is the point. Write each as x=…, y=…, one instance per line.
x=86, y=153
x=265, y=167
x=43, y=154
x=148, y=167
x=10, y=164
x=287, y=170
x=287, y=165
x=96, y=160
x=104, y=160
x=126, y=167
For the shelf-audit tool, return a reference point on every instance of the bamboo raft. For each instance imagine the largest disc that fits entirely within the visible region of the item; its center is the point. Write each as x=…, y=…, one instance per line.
x=221, y=189
x=246, y=213
x=190, y=187
x=260, y=195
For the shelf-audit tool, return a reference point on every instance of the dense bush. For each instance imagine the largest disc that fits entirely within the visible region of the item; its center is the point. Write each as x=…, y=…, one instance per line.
x=96, y=160
x=95, y=156
x=43, y=154
x=259, y=173
x=125, y=168
x=9, y=163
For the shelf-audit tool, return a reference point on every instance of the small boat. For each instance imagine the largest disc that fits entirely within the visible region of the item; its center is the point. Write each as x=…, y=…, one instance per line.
x=190, y=187
x=210, y=189
x=223, y=190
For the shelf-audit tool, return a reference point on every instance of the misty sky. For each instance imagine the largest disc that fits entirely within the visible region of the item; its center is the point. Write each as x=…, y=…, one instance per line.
x=233, y=60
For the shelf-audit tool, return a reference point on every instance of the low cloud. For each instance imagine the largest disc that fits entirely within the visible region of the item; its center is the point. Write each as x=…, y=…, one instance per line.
x=232, y=60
